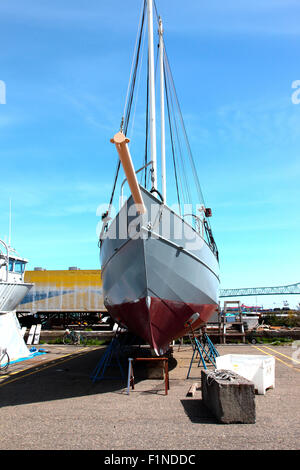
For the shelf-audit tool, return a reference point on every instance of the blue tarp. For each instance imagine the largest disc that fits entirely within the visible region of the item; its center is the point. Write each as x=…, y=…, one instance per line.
x=33, y=354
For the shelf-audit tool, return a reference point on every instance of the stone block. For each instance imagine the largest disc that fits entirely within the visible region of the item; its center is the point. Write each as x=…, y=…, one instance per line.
x=230, y=397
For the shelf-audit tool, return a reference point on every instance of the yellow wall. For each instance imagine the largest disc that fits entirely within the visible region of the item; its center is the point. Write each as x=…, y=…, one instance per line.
x=89, y=277
x=64, y=291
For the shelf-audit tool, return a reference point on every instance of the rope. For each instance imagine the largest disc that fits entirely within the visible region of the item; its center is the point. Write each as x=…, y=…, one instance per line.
x=221, y=375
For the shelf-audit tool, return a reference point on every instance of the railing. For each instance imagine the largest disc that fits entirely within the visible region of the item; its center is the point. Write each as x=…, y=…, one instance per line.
x=124, y=181
x=105, y=216
x=201, y=224
x=6, y=258
x=202, y=227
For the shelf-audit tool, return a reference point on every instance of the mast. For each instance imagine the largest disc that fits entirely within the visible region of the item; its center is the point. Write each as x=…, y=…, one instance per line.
x=162, y=112
x=9, y=229
x=152, y=92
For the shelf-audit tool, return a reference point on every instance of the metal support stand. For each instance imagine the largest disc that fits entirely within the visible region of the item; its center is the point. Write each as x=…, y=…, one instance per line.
x=113, y=350
x=130, y=379
x=206, y=350
x=209, y=348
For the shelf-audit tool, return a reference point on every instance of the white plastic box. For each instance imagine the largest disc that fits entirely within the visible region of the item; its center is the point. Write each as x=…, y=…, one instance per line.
x=258, y=369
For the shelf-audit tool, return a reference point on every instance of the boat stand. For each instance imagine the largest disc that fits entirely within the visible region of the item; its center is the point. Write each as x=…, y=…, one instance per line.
x=206, y=350
x=112, y=351
x=130, y=379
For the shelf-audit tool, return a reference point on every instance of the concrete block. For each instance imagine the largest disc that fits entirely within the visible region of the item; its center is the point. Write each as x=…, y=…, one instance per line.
x=229, y=396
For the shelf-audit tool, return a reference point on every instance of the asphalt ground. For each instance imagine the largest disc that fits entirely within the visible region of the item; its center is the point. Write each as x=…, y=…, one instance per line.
x=50, y=403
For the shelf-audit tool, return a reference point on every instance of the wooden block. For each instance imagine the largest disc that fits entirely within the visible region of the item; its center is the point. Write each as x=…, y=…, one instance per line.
x=193, y=389
x=31, y=334
x=23, y=331
x=37, y=333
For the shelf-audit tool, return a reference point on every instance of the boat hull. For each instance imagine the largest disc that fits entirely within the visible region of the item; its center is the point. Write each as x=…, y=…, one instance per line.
x=11, y=294
x=155, y=283
x=144, y=318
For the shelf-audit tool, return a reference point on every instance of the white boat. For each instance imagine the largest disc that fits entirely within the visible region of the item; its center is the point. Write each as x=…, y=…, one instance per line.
x=12, y=286
x=251, y=319
x=12, y=291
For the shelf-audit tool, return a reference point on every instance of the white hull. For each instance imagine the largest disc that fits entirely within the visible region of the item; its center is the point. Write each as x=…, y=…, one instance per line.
x=11, y=337
x=12, y=291
x=11, y=295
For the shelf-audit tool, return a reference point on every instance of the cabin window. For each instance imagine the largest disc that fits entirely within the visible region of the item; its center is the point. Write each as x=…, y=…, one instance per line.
x=19, y=267
x=11, y=265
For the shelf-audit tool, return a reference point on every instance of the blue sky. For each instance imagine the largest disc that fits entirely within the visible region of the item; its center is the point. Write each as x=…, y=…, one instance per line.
x=66, y=67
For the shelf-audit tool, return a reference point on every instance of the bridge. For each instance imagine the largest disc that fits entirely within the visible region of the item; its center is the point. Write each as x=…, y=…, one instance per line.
x=277, y=290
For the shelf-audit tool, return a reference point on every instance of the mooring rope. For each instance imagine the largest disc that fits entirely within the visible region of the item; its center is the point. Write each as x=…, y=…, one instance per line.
x=221, y=375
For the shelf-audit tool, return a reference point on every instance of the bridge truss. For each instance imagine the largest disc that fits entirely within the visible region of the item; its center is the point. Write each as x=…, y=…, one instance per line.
x=277, y=290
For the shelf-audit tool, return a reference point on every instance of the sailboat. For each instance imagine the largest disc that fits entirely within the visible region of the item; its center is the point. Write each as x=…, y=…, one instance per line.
x=159, y=266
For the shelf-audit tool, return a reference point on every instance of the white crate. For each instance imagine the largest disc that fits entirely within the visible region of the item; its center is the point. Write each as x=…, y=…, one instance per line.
x=257, y=368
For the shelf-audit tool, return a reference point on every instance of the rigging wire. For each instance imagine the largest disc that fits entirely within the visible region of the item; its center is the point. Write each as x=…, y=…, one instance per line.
x=185, y=185
x=192, y=162
x=138, y=84
x=147, y=113
x=180, y=176
x=172, y=145
x=174, y=125
x=142, y=15
x=190, y=155
x=130, y=100
x=187, y=195
x=147, y=122
x=129, y=97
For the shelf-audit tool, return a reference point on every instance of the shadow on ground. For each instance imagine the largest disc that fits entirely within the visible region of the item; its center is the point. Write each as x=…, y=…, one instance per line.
x=63, y=379
x=197, y=411
x=67, y=379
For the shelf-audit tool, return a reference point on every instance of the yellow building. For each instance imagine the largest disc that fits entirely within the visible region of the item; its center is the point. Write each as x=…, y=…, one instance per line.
x=70, y=290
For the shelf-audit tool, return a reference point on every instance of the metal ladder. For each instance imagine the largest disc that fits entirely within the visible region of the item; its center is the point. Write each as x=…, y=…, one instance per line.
x=233, y=329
